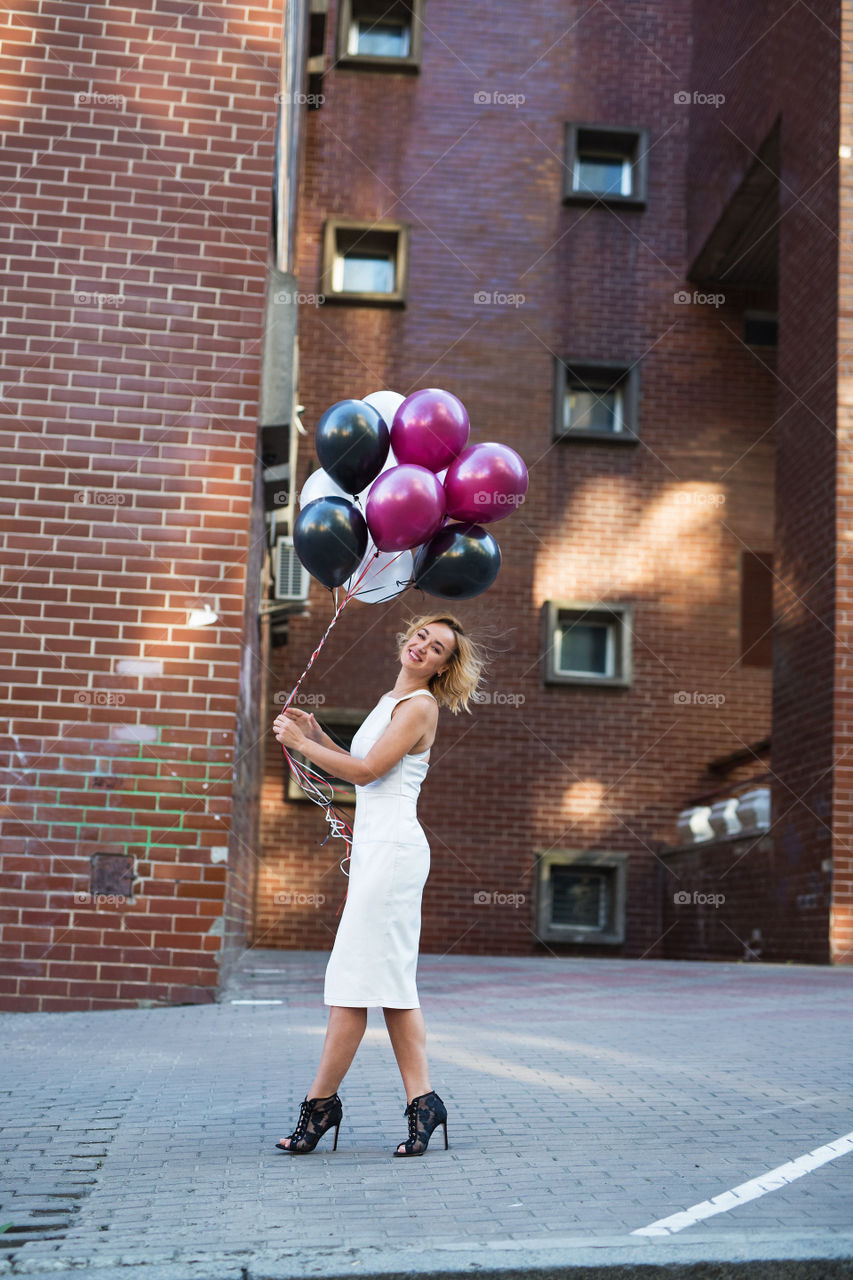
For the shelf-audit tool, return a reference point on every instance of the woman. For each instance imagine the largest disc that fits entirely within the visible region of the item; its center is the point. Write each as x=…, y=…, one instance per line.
x=374, y=958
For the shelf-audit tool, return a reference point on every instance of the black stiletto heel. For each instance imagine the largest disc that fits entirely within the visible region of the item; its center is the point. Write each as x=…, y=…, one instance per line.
x=316, y=1117
x=424, y=1113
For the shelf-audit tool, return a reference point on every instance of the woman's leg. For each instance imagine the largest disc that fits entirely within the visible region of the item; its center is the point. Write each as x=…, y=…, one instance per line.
x=344, y=1031
x=408, y=1038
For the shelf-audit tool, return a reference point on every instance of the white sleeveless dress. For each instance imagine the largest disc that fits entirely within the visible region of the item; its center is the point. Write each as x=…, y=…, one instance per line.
x=375, y=955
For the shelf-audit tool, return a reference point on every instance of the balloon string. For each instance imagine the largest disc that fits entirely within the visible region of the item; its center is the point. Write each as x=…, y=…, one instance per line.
x=311, y=782
x=338, y=611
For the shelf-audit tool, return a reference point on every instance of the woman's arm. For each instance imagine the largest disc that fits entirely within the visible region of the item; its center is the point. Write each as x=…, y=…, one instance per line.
x=412, y=721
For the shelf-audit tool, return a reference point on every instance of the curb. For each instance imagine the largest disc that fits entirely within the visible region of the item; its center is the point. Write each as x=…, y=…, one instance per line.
x=724, y=1256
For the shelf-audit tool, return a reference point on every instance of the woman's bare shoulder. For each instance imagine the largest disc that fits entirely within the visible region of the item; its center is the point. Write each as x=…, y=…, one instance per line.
x=414, y=708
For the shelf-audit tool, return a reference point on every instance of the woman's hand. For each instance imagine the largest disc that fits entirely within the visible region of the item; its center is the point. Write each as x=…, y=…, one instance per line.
x=288, y=732
x=306, y=723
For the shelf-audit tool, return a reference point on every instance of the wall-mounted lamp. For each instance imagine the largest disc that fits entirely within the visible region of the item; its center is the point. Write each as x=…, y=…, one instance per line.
x=203, y=617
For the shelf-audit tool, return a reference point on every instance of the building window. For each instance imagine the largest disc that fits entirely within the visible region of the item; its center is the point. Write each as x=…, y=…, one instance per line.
x=756, y=609
x=587, y=644
x=275, y=465
x=761, y=328
x=380, y=34
x=341, y=726
x=365, y=262
x=316, y=52
x=607, y=164
x=580, y=897
x=596, y=400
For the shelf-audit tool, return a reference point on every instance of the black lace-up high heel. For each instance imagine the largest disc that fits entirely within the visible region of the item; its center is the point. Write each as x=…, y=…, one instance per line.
x=316, y=1117
x=425, y=1113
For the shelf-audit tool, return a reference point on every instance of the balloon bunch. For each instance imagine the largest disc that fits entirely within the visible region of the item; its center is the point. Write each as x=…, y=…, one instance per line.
x=401, y=498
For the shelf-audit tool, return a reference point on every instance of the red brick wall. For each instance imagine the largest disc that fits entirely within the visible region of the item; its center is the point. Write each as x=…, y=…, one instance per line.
x=659, y=525
x=136, y=164
x=726, y=899
x=841, y=937
x=769, y=62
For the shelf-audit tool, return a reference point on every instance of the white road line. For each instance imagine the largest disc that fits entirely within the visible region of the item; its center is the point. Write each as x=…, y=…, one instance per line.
x=751, y=1190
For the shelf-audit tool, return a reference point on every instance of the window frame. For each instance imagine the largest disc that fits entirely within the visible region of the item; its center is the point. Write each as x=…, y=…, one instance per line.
x=331, y=252
x=348, y=13
x=614, y=863
x=617, y=613
x=613, y=138
x=624, y=374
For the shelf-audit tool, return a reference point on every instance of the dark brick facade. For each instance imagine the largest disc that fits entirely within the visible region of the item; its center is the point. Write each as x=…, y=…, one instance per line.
x=136, y=170
x=773, y=84
x=481, y=187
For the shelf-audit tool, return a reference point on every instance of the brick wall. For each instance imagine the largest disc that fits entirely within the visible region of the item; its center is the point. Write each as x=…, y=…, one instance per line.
x=659, y=525
x=136, y=164
x=841, y=935
x=725, y=902
x=771, y=62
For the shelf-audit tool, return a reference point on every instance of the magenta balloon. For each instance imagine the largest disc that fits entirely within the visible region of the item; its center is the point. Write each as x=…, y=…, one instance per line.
x=430, y=429
x=405, y=507
x=486, y=483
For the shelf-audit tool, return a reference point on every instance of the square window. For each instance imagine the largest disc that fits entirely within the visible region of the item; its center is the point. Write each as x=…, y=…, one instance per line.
x=380, y=34
x=587, y=644
x=602, y=173
x=380, y=38
x=592, y=408
x=605, y=163
x=357, y=272
x=365, y=262
x=580, y=896
x=596, y=400
x=585, y=648
x=340, y=726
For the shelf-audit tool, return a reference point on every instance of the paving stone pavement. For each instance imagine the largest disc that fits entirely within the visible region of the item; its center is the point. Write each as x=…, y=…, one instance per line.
x=587, y=1099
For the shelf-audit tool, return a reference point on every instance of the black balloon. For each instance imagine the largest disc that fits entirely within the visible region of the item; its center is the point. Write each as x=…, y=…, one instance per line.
x=460, y=561
x=352, y=441
x=330, y=538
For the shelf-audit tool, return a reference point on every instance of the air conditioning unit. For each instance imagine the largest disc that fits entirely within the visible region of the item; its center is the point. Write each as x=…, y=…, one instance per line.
x=292, y=579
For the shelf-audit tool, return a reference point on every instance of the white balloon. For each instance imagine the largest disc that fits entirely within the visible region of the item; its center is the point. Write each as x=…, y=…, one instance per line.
x=389, y=573
x=386, y=403
x=321, y=485
x=390, y=462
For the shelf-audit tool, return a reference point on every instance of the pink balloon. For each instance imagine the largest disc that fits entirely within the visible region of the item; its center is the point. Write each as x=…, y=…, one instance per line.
x=405, y=507
x=486, y=483
x=429, y=429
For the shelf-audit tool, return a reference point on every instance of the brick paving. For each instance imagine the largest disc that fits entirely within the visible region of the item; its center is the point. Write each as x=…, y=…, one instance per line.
x=586, y=1100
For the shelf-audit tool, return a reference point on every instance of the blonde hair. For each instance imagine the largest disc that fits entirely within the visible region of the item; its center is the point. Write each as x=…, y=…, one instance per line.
x=458, y=683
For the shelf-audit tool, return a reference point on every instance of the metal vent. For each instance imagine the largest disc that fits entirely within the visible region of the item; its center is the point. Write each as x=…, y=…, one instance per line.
x=291, y=577
x=579, y=897
x=111, y=874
